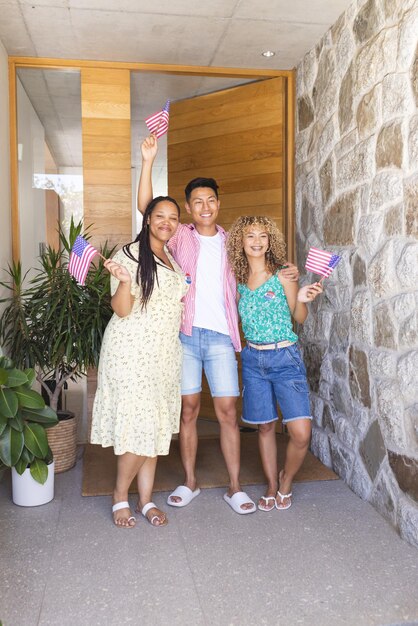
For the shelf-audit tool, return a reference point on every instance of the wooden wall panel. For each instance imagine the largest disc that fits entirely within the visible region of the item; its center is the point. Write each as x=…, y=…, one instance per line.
x=106, y=113
x=52, y=216
x=106, y=128
x=238, y=137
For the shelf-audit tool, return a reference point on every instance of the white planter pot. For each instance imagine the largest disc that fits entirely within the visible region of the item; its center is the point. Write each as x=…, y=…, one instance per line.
x=28, y=492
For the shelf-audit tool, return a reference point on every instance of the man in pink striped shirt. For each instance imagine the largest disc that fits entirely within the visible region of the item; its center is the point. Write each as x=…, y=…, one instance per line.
x=209, y=332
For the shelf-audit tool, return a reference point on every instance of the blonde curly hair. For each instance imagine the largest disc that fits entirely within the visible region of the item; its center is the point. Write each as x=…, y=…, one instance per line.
x=275, y=256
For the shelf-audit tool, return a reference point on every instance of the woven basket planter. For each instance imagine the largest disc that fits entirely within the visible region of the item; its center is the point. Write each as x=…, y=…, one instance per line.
x=62, y=440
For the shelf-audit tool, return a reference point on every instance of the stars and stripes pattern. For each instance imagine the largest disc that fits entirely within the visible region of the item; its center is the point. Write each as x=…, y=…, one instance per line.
x=81, y=256
x=157, y=124
x=321, y=262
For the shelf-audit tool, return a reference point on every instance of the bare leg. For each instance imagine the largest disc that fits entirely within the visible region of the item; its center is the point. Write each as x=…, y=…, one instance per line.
x=188, y=439
x=146, y=476
x=128, y=465
x=225, y=409
x=268, y=451
x=300, y=434
x=226, y=412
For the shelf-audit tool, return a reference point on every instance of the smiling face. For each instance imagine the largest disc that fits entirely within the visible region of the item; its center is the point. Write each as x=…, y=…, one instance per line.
x=255, y=241
x=203, y=206
x=163, y=221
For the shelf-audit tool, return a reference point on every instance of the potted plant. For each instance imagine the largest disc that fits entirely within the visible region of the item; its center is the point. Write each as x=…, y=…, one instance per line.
x=23, y=440
x=56, y=326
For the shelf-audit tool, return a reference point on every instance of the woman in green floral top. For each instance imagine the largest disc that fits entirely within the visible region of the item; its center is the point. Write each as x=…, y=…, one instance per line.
x=272, y=369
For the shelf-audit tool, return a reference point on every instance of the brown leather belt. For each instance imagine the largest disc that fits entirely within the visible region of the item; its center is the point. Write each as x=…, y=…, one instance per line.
x=270, y=346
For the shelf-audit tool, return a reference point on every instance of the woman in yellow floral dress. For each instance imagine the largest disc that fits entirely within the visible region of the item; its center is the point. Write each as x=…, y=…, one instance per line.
x=137, y=404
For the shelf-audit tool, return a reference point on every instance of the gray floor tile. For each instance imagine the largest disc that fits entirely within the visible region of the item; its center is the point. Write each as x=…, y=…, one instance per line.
x=26, y=546
x=330, y=560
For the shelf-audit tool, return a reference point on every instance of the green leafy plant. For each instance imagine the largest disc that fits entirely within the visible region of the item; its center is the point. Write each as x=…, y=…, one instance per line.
x=55, y=325
x=23, y=420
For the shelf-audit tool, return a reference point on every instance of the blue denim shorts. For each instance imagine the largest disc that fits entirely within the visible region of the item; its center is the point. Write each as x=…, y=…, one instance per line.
x=270, y=377
x=214, y=353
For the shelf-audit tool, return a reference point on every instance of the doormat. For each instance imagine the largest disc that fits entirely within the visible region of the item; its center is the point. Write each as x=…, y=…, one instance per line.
x=99, y=466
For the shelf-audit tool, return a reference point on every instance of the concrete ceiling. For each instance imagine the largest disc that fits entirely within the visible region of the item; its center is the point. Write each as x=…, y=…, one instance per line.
x=230, y=33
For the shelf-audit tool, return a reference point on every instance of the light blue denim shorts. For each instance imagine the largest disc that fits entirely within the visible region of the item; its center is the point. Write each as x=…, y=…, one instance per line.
x=214, y=353
x=270, y=377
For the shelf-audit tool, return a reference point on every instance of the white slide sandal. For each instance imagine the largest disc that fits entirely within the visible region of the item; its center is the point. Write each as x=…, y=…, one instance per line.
x=237, y=499
x=186, y=495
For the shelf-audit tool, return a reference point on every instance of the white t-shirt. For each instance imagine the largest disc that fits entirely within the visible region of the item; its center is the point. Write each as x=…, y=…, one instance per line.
x=210, y=302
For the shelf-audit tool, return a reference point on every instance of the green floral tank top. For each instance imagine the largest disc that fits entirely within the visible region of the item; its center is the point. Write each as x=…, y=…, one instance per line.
x=265, y=314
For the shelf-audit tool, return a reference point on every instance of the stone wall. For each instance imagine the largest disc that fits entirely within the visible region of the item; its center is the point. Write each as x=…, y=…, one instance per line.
x=357, y=194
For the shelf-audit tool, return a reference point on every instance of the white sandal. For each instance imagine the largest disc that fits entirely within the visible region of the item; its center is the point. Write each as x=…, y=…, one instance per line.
x=282, y=497
x=123, y=505
x=237, y=500
x=266, y=501
x=147, y=508
x=185, y=494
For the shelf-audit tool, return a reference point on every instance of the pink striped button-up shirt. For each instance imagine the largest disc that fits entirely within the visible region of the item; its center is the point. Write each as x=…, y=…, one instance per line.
x=185, y=246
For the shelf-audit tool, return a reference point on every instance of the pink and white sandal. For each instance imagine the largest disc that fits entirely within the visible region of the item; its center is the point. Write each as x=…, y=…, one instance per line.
x=282, y=497
x=267, y=499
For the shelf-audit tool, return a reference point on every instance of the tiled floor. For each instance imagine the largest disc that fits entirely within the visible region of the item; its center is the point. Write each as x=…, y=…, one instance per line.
x=329, y=560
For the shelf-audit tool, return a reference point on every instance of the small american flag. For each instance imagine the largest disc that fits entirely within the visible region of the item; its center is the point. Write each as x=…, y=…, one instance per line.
x=321, y=262
x=81, y=256
x=158, y=123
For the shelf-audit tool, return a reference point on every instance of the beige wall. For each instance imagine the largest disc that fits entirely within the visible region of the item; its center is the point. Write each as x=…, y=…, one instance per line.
x=357, y=194
x=5, y=217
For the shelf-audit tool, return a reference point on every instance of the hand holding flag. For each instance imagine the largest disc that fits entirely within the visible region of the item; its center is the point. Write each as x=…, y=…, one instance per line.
x=157, y=124
x=321, y=262
x=81, y=256
x=308, y=293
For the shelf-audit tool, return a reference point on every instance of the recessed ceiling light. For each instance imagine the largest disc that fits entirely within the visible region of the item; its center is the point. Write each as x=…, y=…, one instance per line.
x=268, y=53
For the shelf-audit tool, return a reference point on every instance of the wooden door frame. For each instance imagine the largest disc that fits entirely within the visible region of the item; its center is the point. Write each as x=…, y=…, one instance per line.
x=181, y=70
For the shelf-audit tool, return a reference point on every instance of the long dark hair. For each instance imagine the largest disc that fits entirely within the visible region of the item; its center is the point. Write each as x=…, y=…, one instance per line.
x=146, y=273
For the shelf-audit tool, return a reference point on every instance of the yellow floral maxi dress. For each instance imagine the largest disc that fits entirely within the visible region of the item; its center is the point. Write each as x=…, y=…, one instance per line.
x=138, y=398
